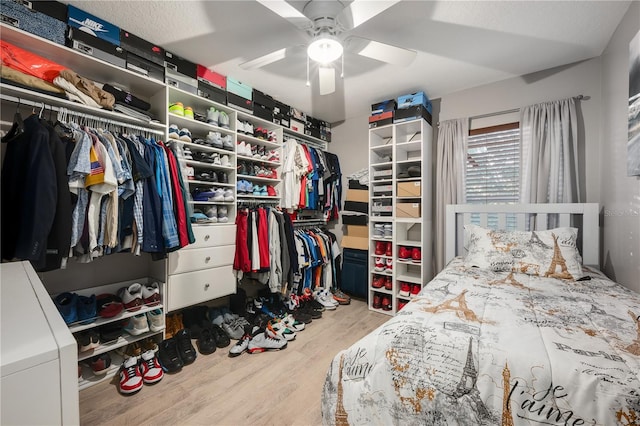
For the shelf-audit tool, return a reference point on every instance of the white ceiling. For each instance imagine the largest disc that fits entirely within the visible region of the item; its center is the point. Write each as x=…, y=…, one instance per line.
x=460, y=44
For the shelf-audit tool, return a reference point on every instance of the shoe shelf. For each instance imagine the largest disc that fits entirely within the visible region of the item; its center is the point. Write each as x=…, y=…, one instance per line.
x=200, y=147
x=410, y=277
x=201, y=164
x=196, y=126
x=406, y=147
x=258, y=197
x=213, y=203
x=89, y=379
x=253, y=140
x=382, y=197
x=123, y=340
x=382, y=290
x=385, y=273
x=411, y=243
x=408, y=262
x=384, y=256
x=209, y=183
x=409, y=162
x=259, y=179
x=256, y=121
x=383, y=165
x=411, y=179
x=77, y=327
x=408, y=220
x=258, y=160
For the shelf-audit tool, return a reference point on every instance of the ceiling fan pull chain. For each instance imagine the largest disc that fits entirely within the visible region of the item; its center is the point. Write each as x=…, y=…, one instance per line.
x=308, y=82
x=342, y=72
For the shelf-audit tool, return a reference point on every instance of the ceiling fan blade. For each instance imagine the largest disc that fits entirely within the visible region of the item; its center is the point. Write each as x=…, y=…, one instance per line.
x=360, y=11
x=267, y=59
x=327, y=80
x=288, y=12
x=380, y=51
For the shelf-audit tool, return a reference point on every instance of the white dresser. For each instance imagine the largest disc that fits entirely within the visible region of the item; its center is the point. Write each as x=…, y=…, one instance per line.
x=39, y=361
x=202, y=271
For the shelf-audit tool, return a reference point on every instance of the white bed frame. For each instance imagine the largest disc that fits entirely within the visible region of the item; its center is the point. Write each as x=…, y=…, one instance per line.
x=585, y=217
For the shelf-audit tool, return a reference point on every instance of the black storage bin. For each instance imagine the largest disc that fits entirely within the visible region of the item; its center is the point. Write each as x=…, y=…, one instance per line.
x=354, y=272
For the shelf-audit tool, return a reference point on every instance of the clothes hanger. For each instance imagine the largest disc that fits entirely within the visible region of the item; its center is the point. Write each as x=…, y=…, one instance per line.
x=17, y=128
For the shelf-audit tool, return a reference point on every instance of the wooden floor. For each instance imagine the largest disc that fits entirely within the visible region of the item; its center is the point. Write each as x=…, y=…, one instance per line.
x=270, y=388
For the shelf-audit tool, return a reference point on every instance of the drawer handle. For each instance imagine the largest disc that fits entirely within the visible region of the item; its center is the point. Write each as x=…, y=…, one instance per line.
x=207, y=259
x=206, y=286
x=206, y=237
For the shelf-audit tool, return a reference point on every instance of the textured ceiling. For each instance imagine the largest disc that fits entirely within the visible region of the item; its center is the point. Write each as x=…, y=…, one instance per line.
x=460, y=44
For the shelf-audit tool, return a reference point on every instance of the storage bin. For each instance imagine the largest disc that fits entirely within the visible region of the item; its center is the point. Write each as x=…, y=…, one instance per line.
x=354, y=272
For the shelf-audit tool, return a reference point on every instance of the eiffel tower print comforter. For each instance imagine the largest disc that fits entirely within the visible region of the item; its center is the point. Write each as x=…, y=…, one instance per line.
x=478, y=347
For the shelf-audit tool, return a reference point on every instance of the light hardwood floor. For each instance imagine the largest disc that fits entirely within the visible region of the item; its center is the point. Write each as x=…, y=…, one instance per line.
x=270, y=388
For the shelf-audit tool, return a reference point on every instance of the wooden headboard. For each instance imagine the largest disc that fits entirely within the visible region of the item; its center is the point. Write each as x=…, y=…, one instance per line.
x=585, y=217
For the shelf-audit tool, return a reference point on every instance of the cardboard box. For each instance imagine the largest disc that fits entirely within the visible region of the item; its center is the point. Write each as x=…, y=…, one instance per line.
x=297, y=125
x=263, y=99
x=180, y=65
x=142, y=48
x=412, y=113
x=408, y=210
x=358, y=243
x=358, y=231
x=355, y=219
x=145, y=67
x=239, y=102
x=380, y=120
x=211, y=78
x=360, y=195
x=180, y=81
x=263, y=112
x=214, y=93
x=414, y=99
x=96, y=47
x=409, y=189
x=383, y=106
x=93, y=25
x=238, y=88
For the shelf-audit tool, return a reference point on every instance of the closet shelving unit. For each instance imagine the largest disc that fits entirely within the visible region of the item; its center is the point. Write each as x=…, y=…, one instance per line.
x=392, y=150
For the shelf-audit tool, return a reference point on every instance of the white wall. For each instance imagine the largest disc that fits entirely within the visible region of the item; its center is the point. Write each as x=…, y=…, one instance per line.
x=620, y=193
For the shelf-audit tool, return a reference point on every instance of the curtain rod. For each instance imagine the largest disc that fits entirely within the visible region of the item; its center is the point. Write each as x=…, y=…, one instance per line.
x=509, y=111
x=105, y=120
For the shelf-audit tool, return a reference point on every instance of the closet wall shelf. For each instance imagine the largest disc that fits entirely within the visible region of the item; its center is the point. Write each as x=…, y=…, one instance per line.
x=409, y=243
x=89, y=379
x=196, y=126
x=258, y=179
x=86, y=66
x=8, y=91
x=208, y=183
x=200, y=164
x=198, y=147
x=74, y=328
x=257, y=197
x=260, y=122
x=258, y=141
x=123, y=340
x=306, y=139
x=257, y=160
x=199, y=104
x=213, y=203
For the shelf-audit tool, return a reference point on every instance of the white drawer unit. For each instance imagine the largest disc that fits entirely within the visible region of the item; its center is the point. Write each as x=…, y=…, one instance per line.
x=202, y=271
x=196, y=287
x=203, y=258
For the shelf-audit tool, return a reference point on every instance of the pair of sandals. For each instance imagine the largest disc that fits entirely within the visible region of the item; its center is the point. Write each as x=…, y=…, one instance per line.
x=412, y=171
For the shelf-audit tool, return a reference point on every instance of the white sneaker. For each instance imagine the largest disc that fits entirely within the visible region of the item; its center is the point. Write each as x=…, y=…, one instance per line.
x=261, y=342
x=293, y=323
x=212, y=213
x=282, y=331
x=329, y=296
x=240, y=149
x=324, y=301
x=247, y=150
x=218, y=196
x=248, y=128
x=137, y=325
x=150, y=368
x=151, y=294
x=155, y=319
x=130, y=377
x=216, y=159
x=131, y=296
x=224, y=161
x=241, y=346
x=239, y=126
x=228, y=195
x=222, y=214
x=223, y=120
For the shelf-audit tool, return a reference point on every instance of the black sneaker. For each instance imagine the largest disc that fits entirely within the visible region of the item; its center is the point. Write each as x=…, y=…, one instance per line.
x=222, y=177
x=222, y=339
x=206, y=342
x=186, y=350
x=169, y=357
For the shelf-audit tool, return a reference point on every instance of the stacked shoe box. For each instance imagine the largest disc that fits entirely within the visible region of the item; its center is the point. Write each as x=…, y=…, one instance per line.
x=263, y=105
x=211, y=85
x=282, y=114
x=382, y=113
x=325, y=131
x=143, y=56
x=239, y=95
x=180, y=73
x=312, y=127
x=298, y=120
x=47, y=19
x=355, y=216
x=412, y=106
x=95, y=37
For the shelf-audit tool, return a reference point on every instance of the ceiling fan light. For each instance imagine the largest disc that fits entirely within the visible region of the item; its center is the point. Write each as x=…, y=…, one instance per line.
x=325, y=50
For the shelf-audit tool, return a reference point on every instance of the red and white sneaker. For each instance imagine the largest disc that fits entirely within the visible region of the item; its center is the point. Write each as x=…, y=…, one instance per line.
x=415, y=289
x=401, y=304
x=405, y=289
x=388, y=284
x=381, y=247
x=386, y=303
x=379, y=267
x=416, y=255
x=378, y=281
x=389, y=265
x=389, y=250
x=404, y=253
x=150, y=368
x=131, y=296
x=151, y=294
x=130, y=377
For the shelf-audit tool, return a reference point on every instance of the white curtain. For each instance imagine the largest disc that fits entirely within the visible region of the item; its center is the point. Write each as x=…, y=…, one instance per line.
x=549, y=134
x=451, y=159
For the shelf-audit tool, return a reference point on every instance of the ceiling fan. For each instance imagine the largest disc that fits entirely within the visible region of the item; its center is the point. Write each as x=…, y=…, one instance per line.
x=327, y=24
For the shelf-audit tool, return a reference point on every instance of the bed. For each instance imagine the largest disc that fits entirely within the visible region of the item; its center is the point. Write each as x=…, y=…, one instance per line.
x=496, y=345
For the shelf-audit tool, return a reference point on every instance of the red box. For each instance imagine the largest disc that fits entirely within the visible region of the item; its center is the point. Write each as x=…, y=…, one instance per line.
x=212, y=77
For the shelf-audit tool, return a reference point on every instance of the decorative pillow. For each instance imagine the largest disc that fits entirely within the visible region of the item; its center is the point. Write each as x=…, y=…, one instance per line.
x=551, y=253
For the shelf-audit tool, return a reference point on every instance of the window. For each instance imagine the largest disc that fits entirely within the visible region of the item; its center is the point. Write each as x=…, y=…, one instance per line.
x=493, y=168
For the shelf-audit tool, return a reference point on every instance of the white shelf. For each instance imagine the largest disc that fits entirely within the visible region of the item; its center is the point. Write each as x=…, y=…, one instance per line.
x=260, y=122
x=198, y=103
x=384, y=165
x=258, y=197
x=77, y=327
x=200, y=164
x=207, y=148
x=409, y=243
x=259, y=179
x=408, y=262
x=257, y=160
x=319, y=142
x=257, y=141
x=411, y=179
x=123, y=340
x=408, y=220
x=415, y=145
x=410, y=277
x=410, y=162
x=207, y=183
x=197, y=128
x=213, y=203
x=385, y=272
x=89, y=379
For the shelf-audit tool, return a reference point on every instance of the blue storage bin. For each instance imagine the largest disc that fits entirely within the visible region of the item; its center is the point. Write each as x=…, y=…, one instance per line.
x=414, y=99
x=355, y=278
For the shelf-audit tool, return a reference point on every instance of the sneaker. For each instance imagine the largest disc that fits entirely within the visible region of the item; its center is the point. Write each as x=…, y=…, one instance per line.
x=255, y=152
x=212, y=116
x=169, y=357
x=240, y=187
x=130, y=377
x=67, y=304
x=340, y=297
x=379, y=267
x=174, y=131
x=378, y=281
x=177, y=109
x=389, y=265
x=88, y=340
x=401, y=304
x=271, y=191
x=241, y=346
x=185, y=135
x=388, y=284
x=248, y=150
x=206, y=343
x=405, y=289
x=224, y=161
x=149, y=344
x=389, y=250
x=281, y=331
x=221, y=338
x=327, y=294
x=155, y=318
x=108, y=305
x=151, y=294
x=404, y=253
x=131, y=297
x=273, y=155
x=110, y=332
x=186, y=350
x=386, y=303
x=223, y=120
x=137, y=325
x=214, y=139
x=132, y=350
x=223, y=177
x=377, y=301
x=378, y=230
x=227, y=142
x=240, y=148
x=228, y=195
x=262, y=342
x=321, y=298
x=212, y=213
x=188, y=113
x=150, y=368
x=415, y=289
x=388, y=230
x=218, y=195
x=248, y=128
x=416, y=255
x=100, y=364
x=239, y=126
x=187, y=154
x=263, y=191
x=222, y=214
x=87, y=309
x=381, y=247
x=293, y=324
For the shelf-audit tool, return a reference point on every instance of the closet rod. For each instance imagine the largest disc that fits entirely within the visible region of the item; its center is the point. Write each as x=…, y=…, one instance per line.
x=122, y=124
x=313, y=144
x=509, y=111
